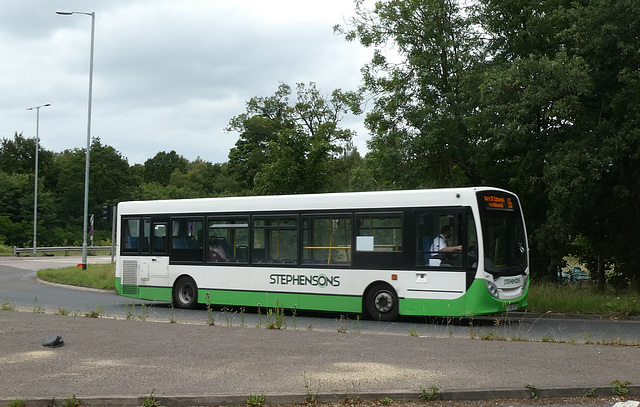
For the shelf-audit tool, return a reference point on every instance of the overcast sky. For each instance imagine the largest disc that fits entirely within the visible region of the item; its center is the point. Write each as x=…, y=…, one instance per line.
x=168, y=75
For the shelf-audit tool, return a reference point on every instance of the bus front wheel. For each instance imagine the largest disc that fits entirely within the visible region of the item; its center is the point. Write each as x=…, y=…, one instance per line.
x=382, y=303
x=185, y=293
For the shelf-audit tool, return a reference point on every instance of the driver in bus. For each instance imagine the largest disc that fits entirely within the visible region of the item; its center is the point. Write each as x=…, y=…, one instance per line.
x=440, y=244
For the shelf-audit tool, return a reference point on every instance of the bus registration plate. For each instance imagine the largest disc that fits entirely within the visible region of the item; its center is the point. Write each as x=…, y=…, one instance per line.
x=512, y=307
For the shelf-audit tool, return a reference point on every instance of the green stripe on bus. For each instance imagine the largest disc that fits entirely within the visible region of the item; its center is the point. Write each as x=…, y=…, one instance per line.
x=476, y=301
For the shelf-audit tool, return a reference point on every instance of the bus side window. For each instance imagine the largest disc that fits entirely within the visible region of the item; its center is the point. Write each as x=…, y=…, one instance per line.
x=326, y=239
x=130, y=235
x=381, y=231
x=439, y=240
x=187, y=239
x=228, y=240
x=275, y=240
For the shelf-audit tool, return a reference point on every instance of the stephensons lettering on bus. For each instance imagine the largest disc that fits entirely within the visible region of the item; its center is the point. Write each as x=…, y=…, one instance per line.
x=319, y=280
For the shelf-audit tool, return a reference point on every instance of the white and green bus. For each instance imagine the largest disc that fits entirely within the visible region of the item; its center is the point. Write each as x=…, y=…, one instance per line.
x=440, y=252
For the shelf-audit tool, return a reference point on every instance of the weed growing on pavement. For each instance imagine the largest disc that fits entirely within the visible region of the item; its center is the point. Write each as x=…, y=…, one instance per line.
x=619, y=388
x=311, y=391
x=210, y=320
x=259, y=324
x=151, y=401
x=430, y=395
x=341, y=324
x=591, y=392
x=385, y=401
x=145, y=314
x=242, y=324
x=131, y=314
x=413, y=331
x=71, y=401
x=95, y=313
x=7, y=306
x=17, y=403
x=293, y=316
x=172, y=316
x=228, y=316
x=37, y=308
x=256, y=400
x=275, y=317
x=65, y=312
x=532, y=387
x=472, y=332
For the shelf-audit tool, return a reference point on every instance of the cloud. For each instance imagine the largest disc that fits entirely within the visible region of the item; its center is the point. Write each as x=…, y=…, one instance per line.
x=167, y=75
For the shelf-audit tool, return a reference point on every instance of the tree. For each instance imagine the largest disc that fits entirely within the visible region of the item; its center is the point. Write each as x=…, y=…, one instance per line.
x=162, y=165
x=289, y=148
x=424, y=102
x=541, y=99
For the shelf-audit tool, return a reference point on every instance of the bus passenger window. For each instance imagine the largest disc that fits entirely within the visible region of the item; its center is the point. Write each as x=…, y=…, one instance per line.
x=275, y=240
x=228, y=240
x=326, y=239
x=385, y=229
x=130, y=235
x=187, y=239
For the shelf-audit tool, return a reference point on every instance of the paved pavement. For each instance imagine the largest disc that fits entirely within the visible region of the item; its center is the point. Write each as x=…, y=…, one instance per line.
x=109, y=362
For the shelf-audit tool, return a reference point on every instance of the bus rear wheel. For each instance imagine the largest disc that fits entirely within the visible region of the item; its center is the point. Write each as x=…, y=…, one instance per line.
x=382, y=303
x=185, y=293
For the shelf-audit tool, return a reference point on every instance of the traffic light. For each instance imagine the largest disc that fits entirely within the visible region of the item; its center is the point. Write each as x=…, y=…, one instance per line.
x=106, y=213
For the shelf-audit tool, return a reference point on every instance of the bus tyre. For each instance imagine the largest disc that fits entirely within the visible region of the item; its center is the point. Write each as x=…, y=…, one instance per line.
x=185, y=293
x=382, y=303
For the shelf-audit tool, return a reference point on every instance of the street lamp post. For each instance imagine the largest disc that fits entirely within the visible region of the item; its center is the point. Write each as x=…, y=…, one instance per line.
x=86, y=167
x=35, y=191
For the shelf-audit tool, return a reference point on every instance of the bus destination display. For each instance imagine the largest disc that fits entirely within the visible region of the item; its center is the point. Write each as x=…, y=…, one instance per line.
x=497, y=202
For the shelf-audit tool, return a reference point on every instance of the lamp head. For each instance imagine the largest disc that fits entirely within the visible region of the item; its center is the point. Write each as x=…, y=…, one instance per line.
x=64, y=12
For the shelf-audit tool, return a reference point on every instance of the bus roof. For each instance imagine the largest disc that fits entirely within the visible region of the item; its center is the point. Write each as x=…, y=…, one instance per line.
x=330, y=201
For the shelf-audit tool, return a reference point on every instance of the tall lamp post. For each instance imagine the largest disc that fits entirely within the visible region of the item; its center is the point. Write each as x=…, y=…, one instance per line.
x=35, y=192
x=86, y=167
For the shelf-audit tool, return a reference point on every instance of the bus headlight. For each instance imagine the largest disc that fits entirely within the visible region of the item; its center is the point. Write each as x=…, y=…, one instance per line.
x=493, y=289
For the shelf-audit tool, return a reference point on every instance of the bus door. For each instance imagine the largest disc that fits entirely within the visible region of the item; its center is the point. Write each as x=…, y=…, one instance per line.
x=155, y=265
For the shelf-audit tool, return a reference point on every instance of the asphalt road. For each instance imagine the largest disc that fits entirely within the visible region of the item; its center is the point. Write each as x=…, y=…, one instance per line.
x=18, y=285
x=114, y=361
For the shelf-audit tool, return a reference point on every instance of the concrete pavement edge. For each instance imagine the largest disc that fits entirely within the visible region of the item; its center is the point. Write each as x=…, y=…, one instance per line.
x=283, y=399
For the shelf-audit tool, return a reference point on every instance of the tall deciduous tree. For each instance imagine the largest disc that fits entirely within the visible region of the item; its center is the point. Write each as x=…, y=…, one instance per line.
x=288, y=147
x=535, y=96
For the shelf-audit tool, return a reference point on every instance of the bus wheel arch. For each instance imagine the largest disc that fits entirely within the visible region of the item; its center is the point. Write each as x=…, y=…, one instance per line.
x=185, y=293
x=381, y=302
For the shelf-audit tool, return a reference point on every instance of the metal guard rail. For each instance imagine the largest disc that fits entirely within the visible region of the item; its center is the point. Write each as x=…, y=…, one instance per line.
x=18, y=250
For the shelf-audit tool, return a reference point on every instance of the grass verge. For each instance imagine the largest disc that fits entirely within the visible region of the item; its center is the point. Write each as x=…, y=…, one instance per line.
x=100, y=276
x=582, y=299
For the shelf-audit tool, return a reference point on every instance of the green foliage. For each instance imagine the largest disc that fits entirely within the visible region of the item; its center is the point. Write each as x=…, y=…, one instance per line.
x=210, y=319
x=255, y=400
x=290, y=148
x=101, y=276
x=71, y=401
x=151, y=401
x=7, y=306
x=17, y=403
x=619, y=388
x=582, y=299
x=538, y=98
x=97, y=312
x=430, y=395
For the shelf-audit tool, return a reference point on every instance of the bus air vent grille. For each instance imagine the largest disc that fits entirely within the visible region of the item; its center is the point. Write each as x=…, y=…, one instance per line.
x=130, y=277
